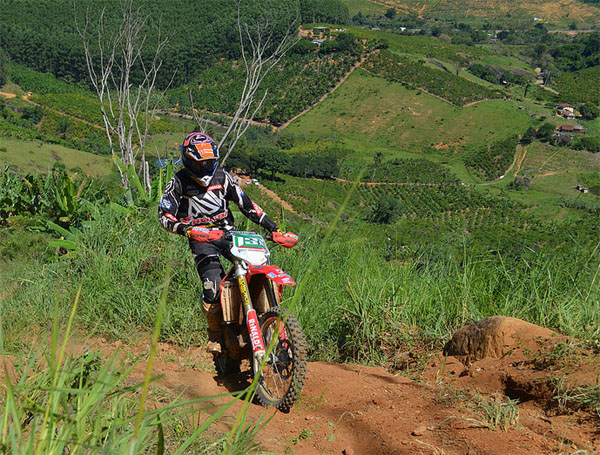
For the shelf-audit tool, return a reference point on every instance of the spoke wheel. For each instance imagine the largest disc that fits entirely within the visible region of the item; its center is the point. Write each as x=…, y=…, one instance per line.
x=284, y=369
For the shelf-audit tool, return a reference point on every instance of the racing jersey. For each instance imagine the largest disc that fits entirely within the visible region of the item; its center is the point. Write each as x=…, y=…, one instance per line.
x=185, y=203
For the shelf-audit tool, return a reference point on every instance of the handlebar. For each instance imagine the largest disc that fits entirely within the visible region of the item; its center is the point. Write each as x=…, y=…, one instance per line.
x=200, y=234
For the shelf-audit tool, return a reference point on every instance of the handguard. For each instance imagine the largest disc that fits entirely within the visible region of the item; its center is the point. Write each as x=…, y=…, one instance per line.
x=285, y=239
x=200, y=234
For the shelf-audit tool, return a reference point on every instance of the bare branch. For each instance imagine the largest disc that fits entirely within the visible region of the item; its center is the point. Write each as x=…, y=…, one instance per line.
x=258, y=63
x=126, y=105
x=199, y=119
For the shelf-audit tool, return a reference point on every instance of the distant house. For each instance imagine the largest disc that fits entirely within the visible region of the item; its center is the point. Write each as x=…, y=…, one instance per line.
x=566, y=128
x=318, y=41
x=566, y=110
x=581, y=188
x=571, y=129
x=320, y=30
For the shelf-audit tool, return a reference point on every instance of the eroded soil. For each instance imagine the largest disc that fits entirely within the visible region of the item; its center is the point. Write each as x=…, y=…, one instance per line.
x=352, y=409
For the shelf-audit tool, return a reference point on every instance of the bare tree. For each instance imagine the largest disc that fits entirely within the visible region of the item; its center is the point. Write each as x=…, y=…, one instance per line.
x=126, y=102
x=260, y=53
x=199, y=118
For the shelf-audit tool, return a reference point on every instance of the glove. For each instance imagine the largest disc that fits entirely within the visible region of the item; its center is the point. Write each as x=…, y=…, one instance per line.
x=285, y=239
x=200, y=234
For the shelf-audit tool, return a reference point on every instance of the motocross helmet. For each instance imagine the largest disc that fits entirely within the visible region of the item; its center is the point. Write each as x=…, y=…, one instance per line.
x=199, y=154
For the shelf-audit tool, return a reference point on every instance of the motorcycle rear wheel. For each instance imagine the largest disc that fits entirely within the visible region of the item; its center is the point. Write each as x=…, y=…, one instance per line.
x=284, y=370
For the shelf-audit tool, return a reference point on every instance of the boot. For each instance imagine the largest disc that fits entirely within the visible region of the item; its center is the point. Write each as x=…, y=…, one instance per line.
x=215, y=329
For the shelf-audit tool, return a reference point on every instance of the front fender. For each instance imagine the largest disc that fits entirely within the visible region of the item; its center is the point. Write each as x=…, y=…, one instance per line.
x=272, y=272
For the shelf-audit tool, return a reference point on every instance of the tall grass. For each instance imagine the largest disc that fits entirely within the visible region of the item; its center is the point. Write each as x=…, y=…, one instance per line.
x=354, y=298
x=54, y=403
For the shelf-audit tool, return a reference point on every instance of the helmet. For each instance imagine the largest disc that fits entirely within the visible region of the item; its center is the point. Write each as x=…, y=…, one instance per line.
x=199, y=154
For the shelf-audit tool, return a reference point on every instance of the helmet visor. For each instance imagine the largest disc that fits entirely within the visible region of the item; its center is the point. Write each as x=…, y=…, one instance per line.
x=204, y=167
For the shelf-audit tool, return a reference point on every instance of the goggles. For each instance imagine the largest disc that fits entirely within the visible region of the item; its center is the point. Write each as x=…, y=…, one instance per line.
x=204, y=165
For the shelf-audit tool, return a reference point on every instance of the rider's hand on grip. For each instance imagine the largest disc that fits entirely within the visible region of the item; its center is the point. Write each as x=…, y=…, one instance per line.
x=285, y=239
x=200, y=234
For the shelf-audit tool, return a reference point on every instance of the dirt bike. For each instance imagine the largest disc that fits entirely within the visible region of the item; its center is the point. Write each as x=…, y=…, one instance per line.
x=256, y=327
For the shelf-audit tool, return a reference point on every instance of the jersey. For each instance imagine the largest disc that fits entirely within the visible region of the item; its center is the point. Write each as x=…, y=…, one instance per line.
x=185, y=203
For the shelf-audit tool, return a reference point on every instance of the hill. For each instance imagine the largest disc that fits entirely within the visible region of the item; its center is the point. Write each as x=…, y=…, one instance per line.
x=558, y=13
x=38, y=157
x=371, y=113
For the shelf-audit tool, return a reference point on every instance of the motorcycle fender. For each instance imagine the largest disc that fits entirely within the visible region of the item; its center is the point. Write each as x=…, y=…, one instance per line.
x=274, y=273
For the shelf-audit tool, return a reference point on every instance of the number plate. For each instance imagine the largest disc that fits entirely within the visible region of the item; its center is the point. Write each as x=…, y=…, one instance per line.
x=250, y=242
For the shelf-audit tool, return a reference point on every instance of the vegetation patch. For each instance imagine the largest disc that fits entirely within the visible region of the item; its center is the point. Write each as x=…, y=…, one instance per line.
x=580, y=86
x=370, y=113
x=454, y=89
x=493, y=161
x=297, y=83
x=35, y=156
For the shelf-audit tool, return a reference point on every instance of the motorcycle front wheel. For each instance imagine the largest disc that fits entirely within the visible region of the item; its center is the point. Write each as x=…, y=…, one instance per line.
x=284, y=369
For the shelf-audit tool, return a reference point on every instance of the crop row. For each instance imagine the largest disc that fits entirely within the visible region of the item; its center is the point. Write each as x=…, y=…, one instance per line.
x=409, y=171
x=321, y=199
x=295, y=84
x=454, y=89
x=493, y=161
x=87, y=108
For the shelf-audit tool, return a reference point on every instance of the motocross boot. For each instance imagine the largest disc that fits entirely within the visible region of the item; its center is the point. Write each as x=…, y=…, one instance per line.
x=214, y=321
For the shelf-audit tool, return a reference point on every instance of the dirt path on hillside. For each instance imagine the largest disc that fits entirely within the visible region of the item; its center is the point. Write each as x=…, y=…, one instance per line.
x=352, y=409
x=64, y=114
x=8, y=95
x=341, y=81
x=525, y=150
x=338, y=179
x=273, y=195
x=270, y=193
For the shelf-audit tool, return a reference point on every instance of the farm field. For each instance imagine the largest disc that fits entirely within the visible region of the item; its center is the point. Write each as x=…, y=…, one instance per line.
x=554, y=173
x=557, y=13
x=35, y=157
x=370, y=110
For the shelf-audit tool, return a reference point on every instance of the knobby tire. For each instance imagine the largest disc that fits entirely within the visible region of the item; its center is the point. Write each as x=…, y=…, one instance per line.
x=282, y=394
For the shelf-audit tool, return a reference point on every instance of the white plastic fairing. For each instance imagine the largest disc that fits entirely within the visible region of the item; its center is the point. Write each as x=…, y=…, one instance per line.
x=250, y=248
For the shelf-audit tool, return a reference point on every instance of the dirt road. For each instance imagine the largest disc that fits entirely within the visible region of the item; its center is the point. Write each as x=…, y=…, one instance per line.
x=352, y=409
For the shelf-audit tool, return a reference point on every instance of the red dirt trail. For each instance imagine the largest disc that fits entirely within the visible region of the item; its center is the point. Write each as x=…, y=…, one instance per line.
x=351, y=409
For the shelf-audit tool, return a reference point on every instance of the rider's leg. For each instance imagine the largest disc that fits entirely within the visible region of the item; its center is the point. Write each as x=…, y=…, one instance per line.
x=206, y=257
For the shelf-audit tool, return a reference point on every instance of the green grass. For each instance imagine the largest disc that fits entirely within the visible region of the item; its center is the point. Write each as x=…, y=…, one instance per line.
x=371, y=114
x=35, y=157
x=426, y=271
x=505, y=62
x=554, y=173
x=365, y=7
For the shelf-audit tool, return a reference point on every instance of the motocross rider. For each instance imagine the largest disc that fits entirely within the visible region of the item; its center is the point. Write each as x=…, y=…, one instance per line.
x=195, y=204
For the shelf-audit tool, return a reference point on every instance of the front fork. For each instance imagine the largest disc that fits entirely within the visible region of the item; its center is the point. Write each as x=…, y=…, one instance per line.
x=256, y=338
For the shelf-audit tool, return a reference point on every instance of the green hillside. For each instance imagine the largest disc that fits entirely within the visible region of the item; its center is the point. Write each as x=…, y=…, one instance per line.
x=35, y=157
x=557, y=13
x=370, y=113
x=430, y=178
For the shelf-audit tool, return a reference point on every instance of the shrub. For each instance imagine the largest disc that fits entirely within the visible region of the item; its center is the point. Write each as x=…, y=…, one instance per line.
x=545, y=132
x=590, y=143
x=589, y=111
x=529, y=136
x=385, y=210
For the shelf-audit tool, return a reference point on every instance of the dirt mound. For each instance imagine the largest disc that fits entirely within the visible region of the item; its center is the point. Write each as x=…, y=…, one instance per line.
x=494, y=337
x=549, y=377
